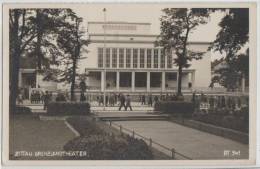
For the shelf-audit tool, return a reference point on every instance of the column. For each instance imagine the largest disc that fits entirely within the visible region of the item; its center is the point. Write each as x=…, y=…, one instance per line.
x=243, y=83
x=102, y=81
x=133, y=81
x=20, y=79
x=148, y=81
x=117, y=80
x=163, y=81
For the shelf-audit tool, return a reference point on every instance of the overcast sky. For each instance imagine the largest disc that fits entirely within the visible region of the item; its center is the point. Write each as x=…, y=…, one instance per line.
x=145, y=13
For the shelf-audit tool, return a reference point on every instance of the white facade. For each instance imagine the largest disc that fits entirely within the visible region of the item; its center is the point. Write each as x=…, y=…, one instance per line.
x=131, y=62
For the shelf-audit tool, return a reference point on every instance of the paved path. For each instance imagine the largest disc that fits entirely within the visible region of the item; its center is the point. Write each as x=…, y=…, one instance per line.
x=190, y=142
x=32, y=135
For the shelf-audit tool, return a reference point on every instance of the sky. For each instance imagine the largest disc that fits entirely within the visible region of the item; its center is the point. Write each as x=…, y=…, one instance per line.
x=150, y=13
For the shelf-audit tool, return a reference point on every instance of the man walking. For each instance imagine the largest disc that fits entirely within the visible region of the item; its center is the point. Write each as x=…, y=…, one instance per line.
x=128, y=103
x=46, y=100
x=122, y=102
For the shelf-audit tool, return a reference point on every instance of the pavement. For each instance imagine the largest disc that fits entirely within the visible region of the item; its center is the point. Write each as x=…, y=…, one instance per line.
x=187, y=141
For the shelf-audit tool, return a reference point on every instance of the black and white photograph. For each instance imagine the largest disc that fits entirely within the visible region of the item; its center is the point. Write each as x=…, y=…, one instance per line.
x=165, y=83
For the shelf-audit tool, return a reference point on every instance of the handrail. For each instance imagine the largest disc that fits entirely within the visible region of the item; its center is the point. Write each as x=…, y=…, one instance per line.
x=151, y=142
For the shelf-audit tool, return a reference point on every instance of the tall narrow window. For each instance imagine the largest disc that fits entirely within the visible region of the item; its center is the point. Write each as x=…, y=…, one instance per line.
x=149, y=58
x=141, y=58
x=169, y=59
x=114, y=57
x=135, y=58
x=155, y=58
x=100, y=57
x=162, y=59
x=121, y=57
x=128, y=58
x=107, y=57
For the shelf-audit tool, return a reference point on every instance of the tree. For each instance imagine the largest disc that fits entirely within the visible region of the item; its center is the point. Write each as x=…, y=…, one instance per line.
x=176, y=26
x=231, y=38
x=21, y=34
x=30, y=36
x=71, y=41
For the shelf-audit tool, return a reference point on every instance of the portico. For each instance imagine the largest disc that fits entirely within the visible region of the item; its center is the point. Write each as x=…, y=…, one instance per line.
x=122, y=80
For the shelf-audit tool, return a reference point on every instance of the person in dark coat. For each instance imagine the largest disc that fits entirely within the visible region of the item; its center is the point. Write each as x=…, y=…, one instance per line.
x=122, y=102
x=143, y=99
x=150, y=101
x=128, y=103
x=46, y=100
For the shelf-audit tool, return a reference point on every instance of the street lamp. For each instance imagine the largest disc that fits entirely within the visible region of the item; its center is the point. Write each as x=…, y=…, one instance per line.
x=104, y=59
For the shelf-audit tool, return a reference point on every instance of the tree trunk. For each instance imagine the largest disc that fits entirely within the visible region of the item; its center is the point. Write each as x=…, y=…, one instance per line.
x=179, y=93
x=72, y=88
x=15, y=60
x=39, y=39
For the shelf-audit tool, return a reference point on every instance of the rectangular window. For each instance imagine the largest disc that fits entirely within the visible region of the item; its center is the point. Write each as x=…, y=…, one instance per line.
x=155, y=58
x=107, y=57
x=169, y=59
x=135, y=58
x=114, y=57
x=149, y=58
x=100, y=57
x=141, y=58
x=121, y=58
x=162, y=59
x=128, y=58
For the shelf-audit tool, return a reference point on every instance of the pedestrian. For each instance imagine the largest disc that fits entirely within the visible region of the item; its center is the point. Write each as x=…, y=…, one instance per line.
x=82, y=97
x=143, y=100
x=20, y=98
x=150, y=101
x=128, y=103
x=46, y=100
x=122, y=102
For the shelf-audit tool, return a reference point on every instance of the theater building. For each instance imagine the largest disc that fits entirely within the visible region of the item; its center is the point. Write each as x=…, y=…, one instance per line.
x=122, y=57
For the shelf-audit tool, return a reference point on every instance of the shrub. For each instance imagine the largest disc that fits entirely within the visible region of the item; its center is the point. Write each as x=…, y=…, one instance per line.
x=175, y=107
x=68, y=108
x=23, y=110
x=109, y=147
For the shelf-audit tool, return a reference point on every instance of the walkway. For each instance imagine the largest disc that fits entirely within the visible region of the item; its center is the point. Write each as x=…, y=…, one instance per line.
x=30, y=134
x=190, y=142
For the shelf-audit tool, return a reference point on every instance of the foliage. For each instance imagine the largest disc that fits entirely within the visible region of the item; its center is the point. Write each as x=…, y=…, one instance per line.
x=175, y=107
x=31, y=36
x=71, y=41
x=176, y=26
x=232, y=37
x=68, y=108
x=102, y=145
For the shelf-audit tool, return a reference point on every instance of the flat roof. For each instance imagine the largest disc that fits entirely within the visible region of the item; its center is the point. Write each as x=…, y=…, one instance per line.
x=119, y=22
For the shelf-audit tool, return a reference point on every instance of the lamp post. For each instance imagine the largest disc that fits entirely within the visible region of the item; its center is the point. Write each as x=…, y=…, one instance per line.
x=104, y=59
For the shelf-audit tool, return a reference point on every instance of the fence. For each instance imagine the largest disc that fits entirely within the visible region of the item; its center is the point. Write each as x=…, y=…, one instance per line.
x=173, y=153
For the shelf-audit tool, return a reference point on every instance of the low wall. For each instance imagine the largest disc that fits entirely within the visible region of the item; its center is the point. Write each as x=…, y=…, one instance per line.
x=220, y=131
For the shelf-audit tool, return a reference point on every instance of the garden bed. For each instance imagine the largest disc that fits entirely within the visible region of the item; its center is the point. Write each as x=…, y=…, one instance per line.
x=238, y=123
x=106, y=143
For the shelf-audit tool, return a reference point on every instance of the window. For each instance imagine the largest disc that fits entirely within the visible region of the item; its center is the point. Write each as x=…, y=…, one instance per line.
x=114, y=57
x=149, y=58
x=162, y=59
x=141, y=58
x=108, y=57
x=121, y=58
x=155, y=58
x=135, y=58
x=100, y=57
x=128, y=58
x=169, y=59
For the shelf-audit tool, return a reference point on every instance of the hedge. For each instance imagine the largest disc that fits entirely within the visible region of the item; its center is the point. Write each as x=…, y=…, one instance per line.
x=109, y=147
x=68, y=108
x=23, y=110
x=175, y=107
